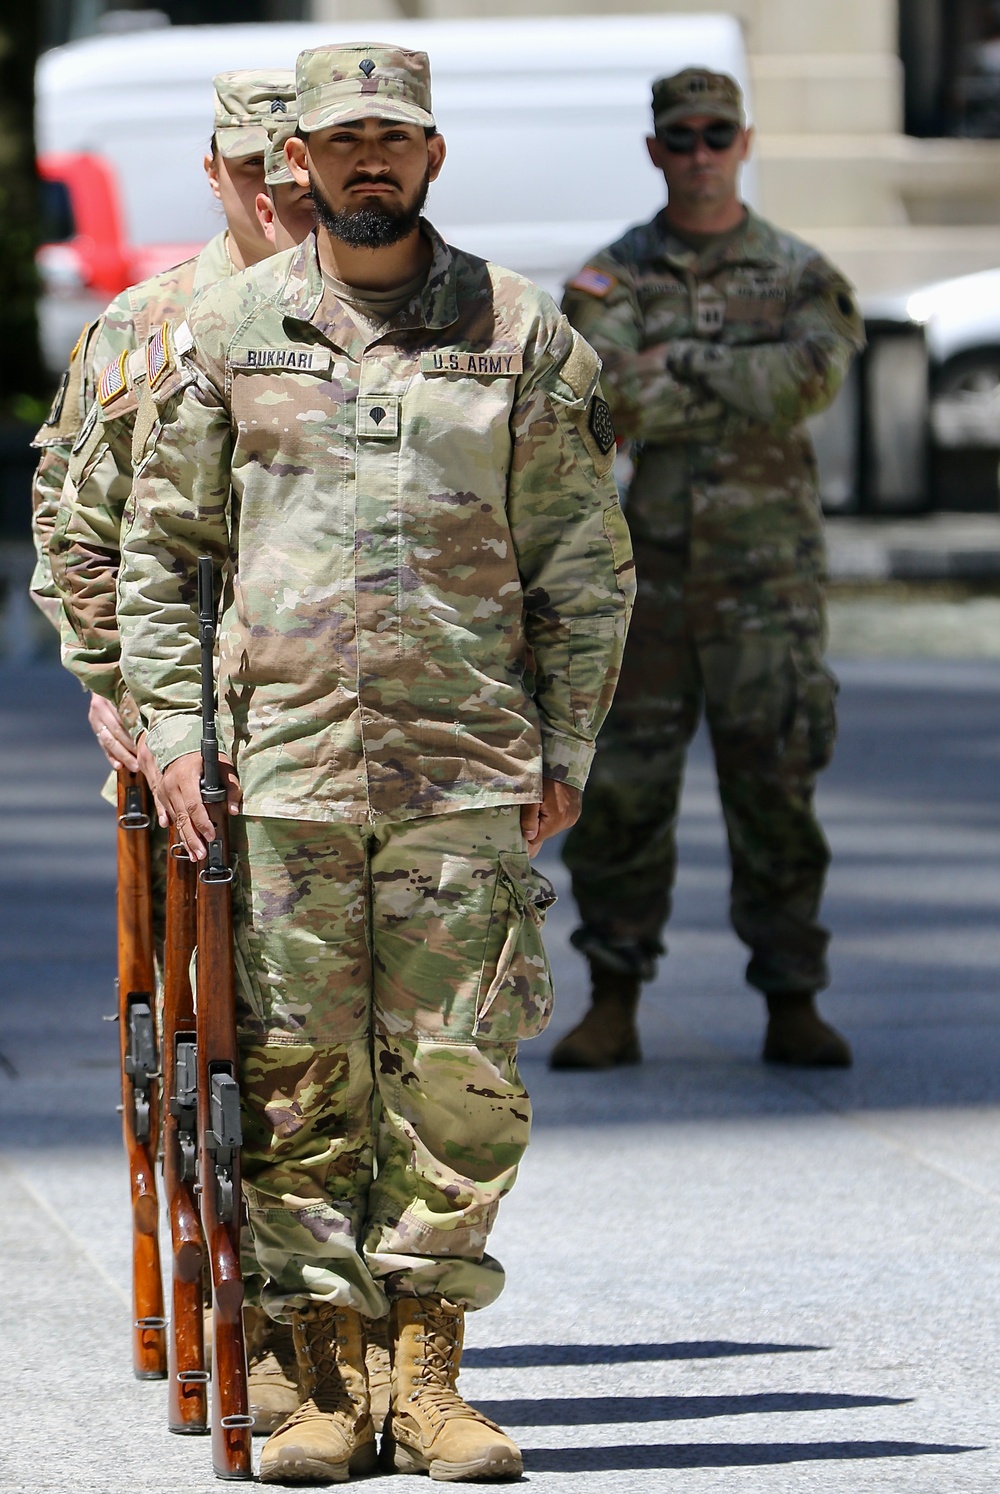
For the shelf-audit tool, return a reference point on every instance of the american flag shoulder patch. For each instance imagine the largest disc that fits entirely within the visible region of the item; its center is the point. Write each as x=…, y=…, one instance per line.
x=158, y=359
x=112, y=381
x=595, y=282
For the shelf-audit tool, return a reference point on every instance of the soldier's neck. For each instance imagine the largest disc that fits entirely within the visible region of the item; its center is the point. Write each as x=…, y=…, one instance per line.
x=374, y=269
x=704, y=217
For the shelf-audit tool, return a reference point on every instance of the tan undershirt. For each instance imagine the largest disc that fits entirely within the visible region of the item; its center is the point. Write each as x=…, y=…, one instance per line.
x=372, y=309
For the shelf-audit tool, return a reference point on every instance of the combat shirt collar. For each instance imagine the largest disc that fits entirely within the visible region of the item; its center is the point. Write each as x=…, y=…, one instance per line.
x=750, y=244
x=301, y=296
x=213, y=264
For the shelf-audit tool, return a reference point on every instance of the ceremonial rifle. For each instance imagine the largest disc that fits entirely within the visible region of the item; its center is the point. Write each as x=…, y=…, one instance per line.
x=187, y=1395
x=140, y=1070
x=219, y=1132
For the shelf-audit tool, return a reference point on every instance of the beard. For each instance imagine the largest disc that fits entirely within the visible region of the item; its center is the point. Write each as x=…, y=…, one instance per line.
x=372, y=227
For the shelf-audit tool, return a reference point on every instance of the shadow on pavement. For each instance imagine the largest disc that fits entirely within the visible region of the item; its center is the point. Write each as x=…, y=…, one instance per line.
x=722, y=1455
x=599, y=1410
x=525, y=1356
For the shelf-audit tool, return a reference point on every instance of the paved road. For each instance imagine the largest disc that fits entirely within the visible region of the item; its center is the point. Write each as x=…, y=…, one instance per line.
x=721, y=1276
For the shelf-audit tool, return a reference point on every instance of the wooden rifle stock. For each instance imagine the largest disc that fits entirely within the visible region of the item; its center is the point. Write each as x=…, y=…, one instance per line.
x=219, y=1129
x=187, y=1398
x=140, y=1070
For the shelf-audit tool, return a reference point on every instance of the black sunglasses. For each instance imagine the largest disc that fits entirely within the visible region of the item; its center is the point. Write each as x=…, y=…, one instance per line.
x=681, y=140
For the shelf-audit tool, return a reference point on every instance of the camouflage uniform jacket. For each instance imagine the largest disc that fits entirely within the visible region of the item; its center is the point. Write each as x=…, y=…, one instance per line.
x=427, y=573
x=85, y=540
x=55, y=441
x=712, y=362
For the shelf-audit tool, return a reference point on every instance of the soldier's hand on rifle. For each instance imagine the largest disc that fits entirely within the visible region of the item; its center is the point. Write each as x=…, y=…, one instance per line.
x=113, y=736
x=181, y=790
x=150, y=770
x=560, y=808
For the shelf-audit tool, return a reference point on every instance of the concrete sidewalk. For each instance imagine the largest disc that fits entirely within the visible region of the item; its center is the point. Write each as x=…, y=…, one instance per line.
x=720, y=1275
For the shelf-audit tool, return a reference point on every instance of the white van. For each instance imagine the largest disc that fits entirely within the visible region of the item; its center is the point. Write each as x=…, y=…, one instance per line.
x=544, y=121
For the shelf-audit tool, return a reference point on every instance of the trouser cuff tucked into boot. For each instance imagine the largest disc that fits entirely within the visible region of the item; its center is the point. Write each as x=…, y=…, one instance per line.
x=431, y=1429
x=330, y=1434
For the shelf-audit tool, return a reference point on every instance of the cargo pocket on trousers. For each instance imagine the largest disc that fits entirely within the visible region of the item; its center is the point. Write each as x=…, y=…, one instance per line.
x=515, y=997
x=816, y=690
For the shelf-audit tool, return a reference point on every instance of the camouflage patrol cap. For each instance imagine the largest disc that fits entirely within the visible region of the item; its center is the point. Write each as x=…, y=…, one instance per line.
x=696, y=91
x=337, y=84
x=248, y=104
x=276, y=169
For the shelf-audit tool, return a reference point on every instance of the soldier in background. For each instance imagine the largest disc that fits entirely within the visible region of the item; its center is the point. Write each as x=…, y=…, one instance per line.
x=719, y=335
x=284, y=208
x=80, y=600
x=399, y=460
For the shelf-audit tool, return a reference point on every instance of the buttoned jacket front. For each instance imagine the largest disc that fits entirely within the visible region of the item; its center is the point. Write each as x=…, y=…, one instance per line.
x=427, y=575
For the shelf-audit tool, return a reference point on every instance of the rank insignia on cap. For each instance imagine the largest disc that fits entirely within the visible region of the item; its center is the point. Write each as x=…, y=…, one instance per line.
x=602, y=427
x=594, y=282
x=278, y=106
x=158, y=359
x=367, y=67
x=112, y=381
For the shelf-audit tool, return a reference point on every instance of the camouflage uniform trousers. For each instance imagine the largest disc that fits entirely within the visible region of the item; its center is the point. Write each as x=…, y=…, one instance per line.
x=387, y=972
x=758, y=673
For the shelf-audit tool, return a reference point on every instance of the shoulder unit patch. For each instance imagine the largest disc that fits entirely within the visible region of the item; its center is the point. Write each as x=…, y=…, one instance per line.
x=602, y=427
x=592, y=280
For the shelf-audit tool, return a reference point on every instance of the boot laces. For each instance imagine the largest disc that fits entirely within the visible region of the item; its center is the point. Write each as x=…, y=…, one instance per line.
x=317, y=1343
x=437, y=1373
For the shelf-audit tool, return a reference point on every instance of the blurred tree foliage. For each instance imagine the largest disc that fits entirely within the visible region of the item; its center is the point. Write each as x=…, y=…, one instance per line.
x=23, y=379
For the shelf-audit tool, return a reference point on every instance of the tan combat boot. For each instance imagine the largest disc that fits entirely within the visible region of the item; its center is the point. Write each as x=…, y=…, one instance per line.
x=797, y=1034
x=378, y=1368
x=430, y=1428
x=272, y=1374
x=330, y=1435
x=607, y=1036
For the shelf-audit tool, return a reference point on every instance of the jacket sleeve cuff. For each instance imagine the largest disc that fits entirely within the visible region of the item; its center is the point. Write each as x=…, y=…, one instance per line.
x=566, y=759
x=173, y=736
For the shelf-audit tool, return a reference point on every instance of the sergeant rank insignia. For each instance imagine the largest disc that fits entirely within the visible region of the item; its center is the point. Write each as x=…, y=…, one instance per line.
x=158, y=359
x=602, y=427
x=112, y=381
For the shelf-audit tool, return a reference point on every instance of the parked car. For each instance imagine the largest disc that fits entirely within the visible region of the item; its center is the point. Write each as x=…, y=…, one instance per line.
x=86, y=257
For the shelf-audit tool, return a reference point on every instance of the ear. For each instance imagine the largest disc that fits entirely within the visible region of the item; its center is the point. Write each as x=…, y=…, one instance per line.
x=211, y=166
x=656, y=152
x=296, y=154
x=436, y=152
x=265, y=215
x=748, y=138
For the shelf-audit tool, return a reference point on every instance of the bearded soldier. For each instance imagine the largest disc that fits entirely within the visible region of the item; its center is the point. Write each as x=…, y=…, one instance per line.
x=719, y=336
x=398, y=457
